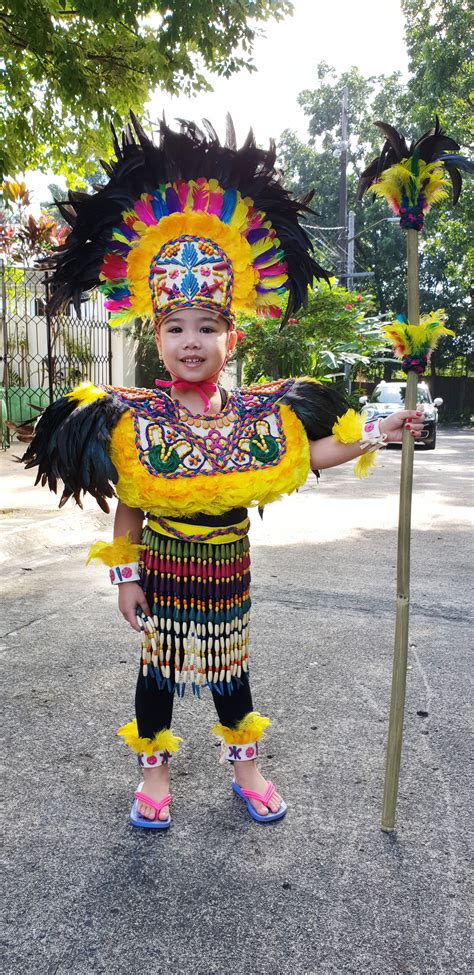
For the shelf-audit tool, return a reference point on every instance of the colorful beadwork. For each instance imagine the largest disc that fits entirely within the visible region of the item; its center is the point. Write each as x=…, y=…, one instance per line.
x=207, y=464
x=199, y=595
x=191, y=272
x=247, y=435
x=166, y=526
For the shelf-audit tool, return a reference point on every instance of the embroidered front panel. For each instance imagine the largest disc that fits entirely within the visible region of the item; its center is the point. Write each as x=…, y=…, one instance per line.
x=246, y=436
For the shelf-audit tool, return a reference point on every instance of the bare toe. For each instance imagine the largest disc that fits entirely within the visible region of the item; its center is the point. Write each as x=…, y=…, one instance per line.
x=164, y=813
x=260, y=808
x=146, y=811
x=275, y=802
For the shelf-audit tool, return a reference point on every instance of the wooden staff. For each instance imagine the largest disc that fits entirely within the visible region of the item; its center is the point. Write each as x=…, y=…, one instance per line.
x=400, y=654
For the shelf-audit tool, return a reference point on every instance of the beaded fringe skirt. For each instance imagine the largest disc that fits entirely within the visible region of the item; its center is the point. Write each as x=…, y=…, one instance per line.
x=199, y=596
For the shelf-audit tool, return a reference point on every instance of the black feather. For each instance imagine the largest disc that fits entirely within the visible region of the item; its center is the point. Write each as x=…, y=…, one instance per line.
x=317, y=406
x=71, y=444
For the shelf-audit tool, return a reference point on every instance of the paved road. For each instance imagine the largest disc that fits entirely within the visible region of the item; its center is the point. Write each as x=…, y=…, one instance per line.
x=323, y=892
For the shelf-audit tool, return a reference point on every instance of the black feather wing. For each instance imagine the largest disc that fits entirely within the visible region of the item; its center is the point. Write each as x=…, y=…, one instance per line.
x=317, y=406
x=71, y=445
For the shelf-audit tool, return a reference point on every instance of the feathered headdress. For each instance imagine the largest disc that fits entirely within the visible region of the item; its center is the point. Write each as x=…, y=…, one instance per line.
x=186, y=223
x=413, y=177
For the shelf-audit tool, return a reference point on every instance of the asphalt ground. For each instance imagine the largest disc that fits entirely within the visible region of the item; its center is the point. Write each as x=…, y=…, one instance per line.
x=323, y=891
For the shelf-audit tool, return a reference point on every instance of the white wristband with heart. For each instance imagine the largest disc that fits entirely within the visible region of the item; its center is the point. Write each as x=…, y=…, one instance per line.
x=372, y=438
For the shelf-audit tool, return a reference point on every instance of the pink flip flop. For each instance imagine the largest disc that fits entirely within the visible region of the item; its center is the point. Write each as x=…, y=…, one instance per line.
x=247, y=794
x=136, y=820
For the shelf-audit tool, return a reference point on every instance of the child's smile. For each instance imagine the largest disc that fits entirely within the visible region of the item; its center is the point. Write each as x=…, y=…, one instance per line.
x=195, y=341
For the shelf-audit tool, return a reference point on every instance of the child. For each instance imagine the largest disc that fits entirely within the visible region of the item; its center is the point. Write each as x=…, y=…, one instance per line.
x=188, y=232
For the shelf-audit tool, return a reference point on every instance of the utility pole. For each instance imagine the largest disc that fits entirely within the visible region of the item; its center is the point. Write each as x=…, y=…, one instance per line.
x=350, y=250
x=343, y=179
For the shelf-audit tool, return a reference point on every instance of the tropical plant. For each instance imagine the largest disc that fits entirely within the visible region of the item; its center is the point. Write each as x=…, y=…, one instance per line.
x=336, y=332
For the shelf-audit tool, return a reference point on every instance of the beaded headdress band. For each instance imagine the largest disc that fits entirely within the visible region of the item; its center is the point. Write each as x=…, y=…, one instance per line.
x=186, y=223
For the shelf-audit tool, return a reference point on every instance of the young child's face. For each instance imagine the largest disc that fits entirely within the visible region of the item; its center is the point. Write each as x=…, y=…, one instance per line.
x=194, y=343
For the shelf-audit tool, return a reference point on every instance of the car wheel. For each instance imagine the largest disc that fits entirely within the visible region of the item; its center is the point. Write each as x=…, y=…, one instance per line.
x=432, y=444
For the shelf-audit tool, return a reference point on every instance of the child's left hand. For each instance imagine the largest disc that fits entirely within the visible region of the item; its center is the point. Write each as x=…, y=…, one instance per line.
x=393, y=425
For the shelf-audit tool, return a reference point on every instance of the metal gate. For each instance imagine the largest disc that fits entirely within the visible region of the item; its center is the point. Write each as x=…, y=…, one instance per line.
x=43, y=356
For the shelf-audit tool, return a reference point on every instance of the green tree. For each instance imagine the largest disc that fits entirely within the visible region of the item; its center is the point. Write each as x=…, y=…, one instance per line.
x=439, y=43
x=446, y=242
x=71, y=67
x=337, y=328
x=378, y=245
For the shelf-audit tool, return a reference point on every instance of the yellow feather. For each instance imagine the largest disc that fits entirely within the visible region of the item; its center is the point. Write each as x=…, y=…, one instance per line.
x=364, y=463
x=86, y=393
x=163, y=741
x=250, y=728
x=348, y=428
x=239, y=216
x=419, y=339
x=118, y=552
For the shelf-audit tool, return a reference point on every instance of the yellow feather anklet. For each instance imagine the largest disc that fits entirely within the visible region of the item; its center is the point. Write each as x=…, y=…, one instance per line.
x=249, y=729
x=163, y=741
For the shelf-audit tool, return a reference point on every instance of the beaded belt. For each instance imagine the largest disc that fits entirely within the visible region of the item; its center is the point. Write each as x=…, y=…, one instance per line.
x=199, y=533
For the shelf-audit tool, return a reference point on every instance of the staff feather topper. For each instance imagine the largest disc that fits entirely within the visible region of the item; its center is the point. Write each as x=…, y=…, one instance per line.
x=412, y=178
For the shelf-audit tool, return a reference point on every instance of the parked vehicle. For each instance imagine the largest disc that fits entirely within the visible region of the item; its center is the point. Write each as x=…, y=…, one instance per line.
x=388, y=397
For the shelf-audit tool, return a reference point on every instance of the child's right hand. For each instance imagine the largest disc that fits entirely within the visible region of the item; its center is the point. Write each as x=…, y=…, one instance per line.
x=130, y=596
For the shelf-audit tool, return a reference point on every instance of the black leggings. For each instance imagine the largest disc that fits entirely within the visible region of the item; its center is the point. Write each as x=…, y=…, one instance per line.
x=154, y=707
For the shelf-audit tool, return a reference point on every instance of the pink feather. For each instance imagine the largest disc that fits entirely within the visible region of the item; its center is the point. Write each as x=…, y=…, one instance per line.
x=273, y=270
x=144, y=213
x=115, y=304
x=114, y=267
x=215, y=203
x=201, y=195
x=182, y=189
x=254, y=221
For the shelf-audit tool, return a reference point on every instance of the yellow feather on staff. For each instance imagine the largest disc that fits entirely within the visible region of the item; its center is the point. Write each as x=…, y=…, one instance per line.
x=401, y=184
x=416, y=340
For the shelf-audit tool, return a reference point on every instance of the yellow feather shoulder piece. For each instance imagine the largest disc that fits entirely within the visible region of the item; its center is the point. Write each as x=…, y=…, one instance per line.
x=250, y=728
x=118, y=552
x=348, y=428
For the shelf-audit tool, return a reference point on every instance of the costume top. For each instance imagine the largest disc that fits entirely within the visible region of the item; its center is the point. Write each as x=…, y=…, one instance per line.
x=156, y=456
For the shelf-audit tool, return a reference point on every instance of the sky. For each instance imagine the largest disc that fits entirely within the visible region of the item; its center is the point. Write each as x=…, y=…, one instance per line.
x=365, y=33
x=340, y=32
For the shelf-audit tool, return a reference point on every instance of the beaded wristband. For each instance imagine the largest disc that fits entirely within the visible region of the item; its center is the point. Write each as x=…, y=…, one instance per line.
x=242, y=753
x=124, y=573
x=372, y=438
